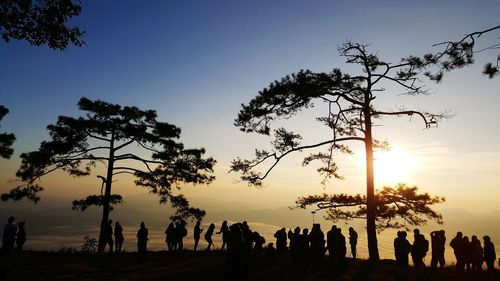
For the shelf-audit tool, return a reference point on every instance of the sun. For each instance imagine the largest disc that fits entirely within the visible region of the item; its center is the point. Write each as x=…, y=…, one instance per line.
x=394, y=166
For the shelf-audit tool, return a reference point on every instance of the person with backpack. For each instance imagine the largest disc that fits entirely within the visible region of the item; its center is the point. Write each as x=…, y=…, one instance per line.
x=458, y=246
x=419, y=249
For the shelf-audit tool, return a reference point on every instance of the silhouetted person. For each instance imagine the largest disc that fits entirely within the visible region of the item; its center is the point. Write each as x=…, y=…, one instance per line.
x=21, y=236
x=118, y=233
x=180, y=233
x=304, y=250
x=341, y=251
x=281, y=242
x=108, y=235
x=419, y=249
x=258, y=243
x=402, y=248
x=235, y=258
x=467, y=253
x=353, y=241
x=270, y=250
x=317, y=240
x=9, y=237
x=294, y=238
x=477, y=254
x=170, y=237
x=458, y=246
x=489, y=253
x=197, y=234
x=247, y=238
x=142, y=240
x=224, y=229
x=331, y=240
x=208, y=236
x=438, y=241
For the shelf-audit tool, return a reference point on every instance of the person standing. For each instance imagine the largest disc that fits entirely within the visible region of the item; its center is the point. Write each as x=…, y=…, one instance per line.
x=317, y=239
x=108, y=235
x=438, y=241
x=170, y=237
x=9, y=237
x=142, y=240
x=281, y=242
x=180, y=233
x=224, y=229
x=197, y=234
x=402, y=248
x=419, y=249
x=118, y=233
x=458, y=246
x=21, y=236
x=477, y=254
x=489, y=253
x=353, y=241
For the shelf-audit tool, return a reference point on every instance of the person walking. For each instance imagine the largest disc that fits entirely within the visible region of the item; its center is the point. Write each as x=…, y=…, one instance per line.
x=208, y=236
x=224, y=229
x=197, y=234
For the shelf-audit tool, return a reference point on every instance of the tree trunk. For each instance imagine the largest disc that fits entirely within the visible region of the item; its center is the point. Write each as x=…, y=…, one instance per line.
x=370, y=191
x=107, y=194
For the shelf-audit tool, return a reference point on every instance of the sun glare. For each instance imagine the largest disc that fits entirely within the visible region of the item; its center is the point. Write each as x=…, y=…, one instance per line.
x=394, y=166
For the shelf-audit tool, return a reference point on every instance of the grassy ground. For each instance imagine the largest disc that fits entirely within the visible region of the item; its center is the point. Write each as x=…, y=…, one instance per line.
x=202, y=266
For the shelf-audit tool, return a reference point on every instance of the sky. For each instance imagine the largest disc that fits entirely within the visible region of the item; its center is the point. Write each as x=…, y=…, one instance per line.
x=196, y=62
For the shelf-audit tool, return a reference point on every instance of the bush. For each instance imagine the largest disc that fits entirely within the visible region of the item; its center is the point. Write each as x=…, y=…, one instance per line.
x=89, y=245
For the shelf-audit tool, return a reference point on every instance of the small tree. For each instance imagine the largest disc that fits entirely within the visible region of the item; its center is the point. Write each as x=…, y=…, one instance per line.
x=40, y=22
x=351, y=114
x=120, y=138
x=396, y=207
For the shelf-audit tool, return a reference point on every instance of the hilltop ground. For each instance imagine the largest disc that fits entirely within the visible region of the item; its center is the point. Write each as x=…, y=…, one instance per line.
x=202, y=266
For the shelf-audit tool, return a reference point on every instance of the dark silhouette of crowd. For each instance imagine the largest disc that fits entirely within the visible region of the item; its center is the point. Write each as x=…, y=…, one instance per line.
x=306, y=250
x=469, y=253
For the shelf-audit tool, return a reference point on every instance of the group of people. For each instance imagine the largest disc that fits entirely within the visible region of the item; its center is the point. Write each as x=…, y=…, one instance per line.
x=108, y=233
x=469, y=253
x=13, y=234
x=306, y=249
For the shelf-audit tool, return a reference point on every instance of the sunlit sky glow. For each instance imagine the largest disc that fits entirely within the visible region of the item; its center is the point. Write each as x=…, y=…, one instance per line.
x=195, y=62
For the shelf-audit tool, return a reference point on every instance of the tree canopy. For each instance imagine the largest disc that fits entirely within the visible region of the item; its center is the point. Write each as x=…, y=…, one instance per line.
x=6, y=139
x=125, y=140
x=397, y=207
x=351, y=112
x=40, y=22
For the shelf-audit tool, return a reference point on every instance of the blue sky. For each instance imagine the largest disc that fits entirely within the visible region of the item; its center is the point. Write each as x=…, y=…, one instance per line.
x=195, y=62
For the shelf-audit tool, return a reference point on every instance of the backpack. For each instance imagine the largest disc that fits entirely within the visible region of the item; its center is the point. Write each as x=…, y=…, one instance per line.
x=425, y=245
